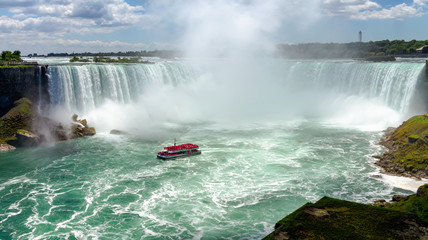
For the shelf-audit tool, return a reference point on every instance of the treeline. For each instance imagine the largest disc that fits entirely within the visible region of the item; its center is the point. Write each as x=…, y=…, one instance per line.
x=9, y=56
x=154, y=53
x=108, y=60
x=352, y=50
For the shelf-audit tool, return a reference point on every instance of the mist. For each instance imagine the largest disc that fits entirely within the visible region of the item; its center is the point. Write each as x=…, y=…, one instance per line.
x=233, y=29
x=230, y=45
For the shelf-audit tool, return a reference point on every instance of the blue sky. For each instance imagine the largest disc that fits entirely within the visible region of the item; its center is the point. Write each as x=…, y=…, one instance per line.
x=44, y=26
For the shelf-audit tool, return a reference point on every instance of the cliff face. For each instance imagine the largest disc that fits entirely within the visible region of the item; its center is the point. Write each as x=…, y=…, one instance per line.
x=15, y=83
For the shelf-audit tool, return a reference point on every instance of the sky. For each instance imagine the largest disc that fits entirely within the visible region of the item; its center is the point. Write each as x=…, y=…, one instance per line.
x=45, y=26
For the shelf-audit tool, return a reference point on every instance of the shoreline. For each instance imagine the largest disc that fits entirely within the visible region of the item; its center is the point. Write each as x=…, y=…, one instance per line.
x=396, y=140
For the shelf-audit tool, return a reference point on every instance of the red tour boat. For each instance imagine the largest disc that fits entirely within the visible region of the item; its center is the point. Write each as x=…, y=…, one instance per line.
x=176, y=151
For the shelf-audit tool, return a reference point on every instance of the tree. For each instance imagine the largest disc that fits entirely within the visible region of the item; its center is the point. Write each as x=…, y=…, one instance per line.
x=9, y=56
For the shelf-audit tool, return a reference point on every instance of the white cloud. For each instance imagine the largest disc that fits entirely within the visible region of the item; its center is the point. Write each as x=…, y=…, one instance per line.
x=367, y=9
x=65, y=16
x=397, y=12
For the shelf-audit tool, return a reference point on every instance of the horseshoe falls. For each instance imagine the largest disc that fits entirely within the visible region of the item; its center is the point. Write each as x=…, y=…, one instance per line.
x=274, y=135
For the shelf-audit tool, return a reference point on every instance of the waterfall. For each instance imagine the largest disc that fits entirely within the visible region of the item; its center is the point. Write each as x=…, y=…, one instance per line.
x=391, y=83
x=226, y=90
x=39, y=88
x=85, y=87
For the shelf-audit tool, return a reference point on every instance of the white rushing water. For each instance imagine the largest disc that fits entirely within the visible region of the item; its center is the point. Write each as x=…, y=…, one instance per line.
x=356, y=94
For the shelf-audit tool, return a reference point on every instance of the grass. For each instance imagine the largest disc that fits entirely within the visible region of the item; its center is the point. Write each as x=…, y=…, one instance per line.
x=17, y=66
x=414, y=204
x=344, y=220
x=410, y=143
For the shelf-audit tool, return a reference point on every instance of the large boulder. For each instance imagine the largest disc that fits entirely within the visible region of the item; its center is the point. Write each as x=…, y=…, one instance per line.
x=25, y=138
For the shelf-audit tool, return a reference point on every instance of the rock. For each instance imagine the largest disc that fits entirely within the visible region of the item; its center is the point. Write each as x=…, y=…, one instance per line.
x=80, y=128
x=117, y=132
x=6, y=147
x=26, y=139
x=89, y=131
x=19, y=117
x=379, y=203
x=60, y=133
x=422, y=191
x=413, y=138
x=84, y=122
x=398, y=198
x=317, y=212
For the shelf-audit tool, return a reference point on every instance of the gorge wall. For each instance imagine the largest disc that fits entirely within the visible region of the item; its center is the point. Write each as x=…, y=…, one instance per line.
x=18, y=82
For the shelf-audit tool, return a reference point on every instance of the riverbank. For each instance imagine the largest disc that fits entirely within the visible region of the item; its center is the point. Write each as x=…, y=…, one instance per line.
x=407, y=149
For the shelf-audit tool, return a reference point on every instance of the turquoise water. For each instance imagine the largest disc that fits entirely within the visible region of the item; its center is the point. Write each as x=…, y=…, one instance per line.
x=246, y=179
x=274, y=135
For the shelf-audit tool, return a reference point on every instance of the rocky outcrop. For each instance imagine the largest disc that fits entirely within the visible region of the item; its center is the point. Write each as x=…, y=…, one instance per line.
x=80, y=128
x=331, y=218
x=415, y=203
x=407, y=146
x=23, y=127
x=25, y=138
x=19, y=117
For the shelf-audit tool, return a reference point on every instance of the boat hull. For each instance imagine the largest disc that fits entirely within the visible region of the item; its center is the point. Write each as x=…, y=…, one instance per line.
x=178, y=155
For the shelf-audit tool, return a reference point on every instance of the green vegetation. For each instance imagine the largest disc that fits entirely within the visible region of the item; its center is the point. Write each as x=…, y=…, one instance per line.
x=119, y=60
x=22, y=131
x=154, y=53
x=8, y=56
x=331, y=218
x=109, y=60
x=350, y=50
x=13, y=60
x=16, y=66
x=18, y=117
x=78, y=59
x=409, y=144
x=416, y=203
x=378, y=58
